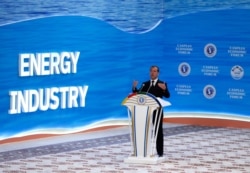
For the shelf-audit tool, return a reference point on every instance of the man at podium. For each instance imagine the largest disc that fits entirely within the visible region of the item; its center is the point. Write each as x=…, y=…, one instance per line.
x=157, y=88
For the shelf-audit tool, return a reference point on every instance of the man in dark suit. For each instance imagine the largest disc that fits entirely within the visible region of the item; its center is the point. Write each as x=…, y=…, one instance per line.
x=157, y=88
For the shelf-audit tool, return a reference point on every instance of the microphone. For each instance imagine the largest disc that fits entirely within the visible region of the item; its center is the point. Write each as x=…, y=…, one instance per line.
x=141, y=87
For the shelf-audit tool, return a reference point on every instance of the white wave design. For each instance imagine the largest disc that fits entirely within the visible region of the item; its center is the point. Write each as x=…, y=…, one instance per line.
x=129, y=16
x=124, y=122
x=60, y=131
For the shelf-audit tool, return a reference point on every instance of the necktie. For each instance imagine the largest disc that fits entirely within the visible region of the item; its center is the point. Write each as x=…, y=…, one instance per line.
x=152, y=83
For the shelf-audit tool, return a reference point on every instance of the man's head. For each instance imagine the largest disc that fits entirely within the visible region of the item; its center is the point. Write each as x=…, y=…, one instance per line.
x=154, y=72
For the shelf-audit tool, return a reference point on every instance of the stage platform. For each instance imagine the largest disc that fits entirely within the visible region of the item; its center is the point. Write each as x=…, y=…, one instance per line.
x=187, y=148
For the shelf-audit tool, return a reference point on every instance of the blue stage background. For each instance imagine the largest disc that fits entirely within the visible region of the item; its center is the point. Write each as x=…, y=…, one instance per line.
x=114, y=51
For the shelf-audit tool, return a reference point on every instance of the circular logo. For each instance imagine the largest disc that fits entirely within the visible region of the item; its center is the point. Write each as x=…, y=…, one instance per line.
x=237, y=72
x=209, y=91
x=141, y=100
x=184, y=69
x=210, y=50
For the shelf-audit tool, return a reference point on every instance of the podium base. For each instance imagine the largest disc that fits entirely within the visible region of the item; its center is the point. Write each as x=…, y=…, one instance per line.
x=145, y=160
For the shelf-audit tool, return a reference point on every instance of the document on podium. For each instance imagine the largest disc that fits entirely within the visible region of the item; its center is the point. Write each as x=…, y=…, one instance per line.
x=163, y=102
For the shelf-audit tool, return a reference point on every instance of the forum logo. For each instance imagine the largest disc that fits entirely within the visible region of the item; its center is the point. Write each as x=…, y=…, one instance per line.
x=210, y=50
x=141, y=100
x=184, y=69
x=237, y=72
x=209, y=91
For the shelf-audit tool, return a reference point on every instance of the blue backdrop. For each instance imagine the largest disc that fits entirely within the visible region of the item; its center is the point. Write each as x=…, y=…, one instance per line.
x=203, y=56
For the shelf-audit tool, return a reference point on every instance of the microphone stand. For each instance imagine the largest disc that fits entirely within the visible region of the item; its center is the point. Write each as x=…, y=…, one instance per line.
x=141, y=88
x=149, y=87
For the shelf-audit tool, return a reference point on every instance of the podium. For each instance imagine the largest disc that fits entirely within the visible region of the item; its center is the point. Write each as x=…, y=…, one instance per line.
x=143, y=132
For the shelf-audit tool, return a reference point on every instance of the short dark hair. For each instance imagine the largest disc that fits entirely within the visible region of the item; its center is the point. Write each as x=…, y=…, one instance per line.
x=155, y=66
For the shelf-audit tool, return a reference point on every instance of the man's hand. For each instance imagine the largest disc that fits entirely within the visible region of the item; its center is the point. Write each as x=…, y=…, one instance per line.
x=135, y=83
x=162, y=86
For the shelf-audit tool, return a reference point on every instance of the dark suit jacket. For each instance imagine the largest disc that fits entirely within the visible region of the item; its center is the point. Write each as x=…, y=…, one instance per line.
x=155, y=90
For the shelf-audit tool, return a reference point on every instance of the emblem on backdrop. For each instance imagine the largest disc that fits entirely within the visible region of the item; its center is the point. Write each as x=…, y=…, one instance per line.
x=210, y=50
x=184, y=69
x=209, y=91
x=237, y=72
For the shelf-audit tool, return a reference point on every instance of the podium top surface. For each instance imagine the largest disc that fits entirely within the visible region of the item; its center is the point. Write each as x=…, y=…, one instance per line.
x=144, y=99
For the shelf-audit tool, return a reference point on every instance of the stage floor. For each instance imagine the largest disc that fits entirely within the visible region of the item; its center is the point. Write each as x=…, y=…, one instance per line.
x=187, y=149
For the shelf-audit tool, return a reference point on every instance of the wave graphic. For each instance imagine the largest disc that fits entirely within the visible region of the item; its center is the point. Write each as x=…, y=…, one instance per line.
x=120, y=122
x=59, y=131
x=130, y=16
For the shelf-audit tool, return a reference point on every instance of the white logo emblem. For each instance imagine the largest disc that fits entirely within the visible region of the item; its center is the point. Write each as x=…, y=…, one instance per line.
x=237, y=72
